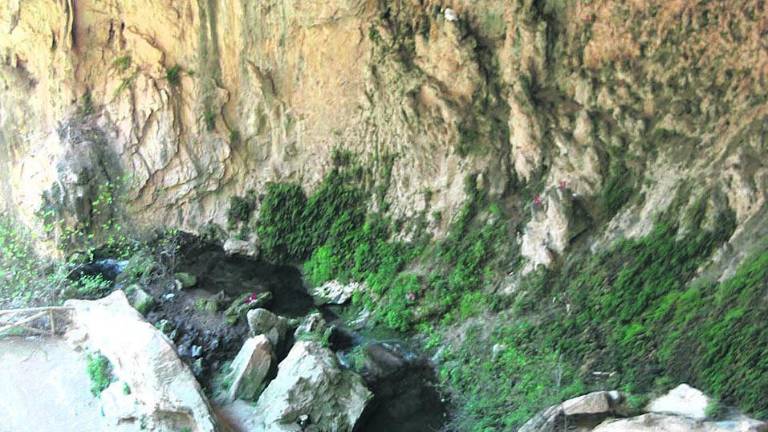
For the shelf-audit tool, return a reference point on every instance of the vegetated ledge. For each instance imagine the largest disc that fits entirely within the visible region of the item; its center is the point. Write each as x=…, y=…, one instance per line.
x=626, y=318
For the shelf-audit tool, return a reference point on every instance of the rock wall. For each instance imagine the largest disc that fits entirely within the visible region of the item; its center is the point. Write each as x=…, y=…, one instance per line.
x=629, y=106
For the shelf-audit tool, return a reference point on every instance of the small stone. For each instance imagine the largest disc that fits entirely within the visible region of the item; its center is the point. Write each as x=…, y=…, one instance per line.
x=313, y=323
x=196, y=351
x=164, y=326
x=142, y=301
x=262, y=321
x=450, y=15
x=187, y=280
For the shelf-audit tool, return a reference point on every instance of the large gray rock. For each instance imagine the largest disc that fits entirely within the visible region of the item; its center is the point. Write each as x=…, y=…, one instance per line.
x=334, y=292
x=671, y=423
x=165, y=394
x=310, y=383
x=580, y=414
x=262, y=321
x=249, y=368
x=682, y=400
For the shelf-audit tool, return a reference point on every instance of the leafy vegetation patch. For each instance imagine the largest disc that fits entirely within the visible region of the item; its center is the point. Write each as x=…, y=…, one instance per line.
x=630, y=312
x=173, y=75
x=100, y=372
x=291, y=226
x=21, y=278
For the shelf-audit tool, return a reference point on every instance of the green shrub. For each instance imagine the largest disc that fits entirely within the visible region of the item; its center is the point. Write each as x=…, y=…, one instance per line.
x=99, y=371
x=280, y=222
x=173, y=75
x=239, y=211
x=23, y=275
x=91, y=286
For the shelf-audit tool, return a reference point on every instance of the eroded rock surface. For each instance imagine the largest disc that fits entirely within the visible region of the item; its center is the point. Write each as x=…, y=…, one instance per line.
x=199, y=105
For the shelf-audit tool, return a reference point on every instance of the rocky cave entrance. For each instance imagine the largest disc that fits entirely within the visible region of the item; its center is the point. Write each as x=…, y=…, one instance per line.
x=402, y=380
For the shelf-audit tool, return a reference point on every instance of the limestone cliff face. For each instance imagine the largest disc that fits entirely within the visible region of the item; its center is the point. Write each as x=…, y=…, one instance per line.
x=616, y=108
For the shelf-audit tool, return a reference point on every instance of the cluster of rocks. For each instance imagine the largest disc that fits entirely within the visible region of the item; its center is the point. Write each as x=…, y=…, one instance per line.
x=683, y=409
x=307, y=391
x=162, y=394
x=310, y=392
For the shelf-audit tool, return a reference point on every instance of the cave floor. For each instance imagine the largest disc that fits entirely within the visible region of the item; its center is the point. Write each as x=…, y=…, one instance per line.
x=45, y=388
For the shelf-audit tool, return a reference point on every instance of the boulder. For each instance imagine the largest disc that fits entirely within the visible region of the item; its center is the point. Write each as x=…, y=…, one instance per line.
x=334, y=292
x=682, y=400
x=186, y=280
x=249, y=368
x=240, y=247
x=600, y=402
x=166, y=394
x=581, y=413
x=310, y=388
x=671, y=423
x=262, y=321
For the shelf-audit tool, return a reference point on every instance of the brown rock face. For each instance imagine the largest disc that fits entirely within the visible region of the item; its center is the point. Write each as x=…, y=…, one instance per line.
x=199, y=101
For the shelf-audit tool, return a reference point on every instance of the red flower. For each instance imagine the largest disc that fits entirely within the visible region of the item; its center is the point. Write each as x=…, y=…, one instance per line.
x=251, y=298
x=537, y=200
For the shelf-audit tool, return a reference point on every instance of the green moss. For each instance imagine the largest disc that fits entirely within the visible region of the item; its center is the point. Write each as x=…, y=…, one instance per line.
x=122, y=63
x=99, y=371
x=617, y=190
x=209, y=118
x=234, y=137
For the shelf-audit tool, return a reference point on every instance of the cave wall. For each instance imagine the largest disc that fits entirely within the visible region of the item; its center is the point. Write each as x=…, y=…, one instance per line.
x=626, y=105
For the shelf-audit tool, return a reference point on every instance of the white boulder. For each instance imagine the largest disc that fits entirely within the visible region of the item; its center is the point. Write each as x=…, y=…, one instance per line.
x=671, y=423
x=240, y=247
x=166, y=394
x=682, y=400
x=310, y=387
x=334, y=292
